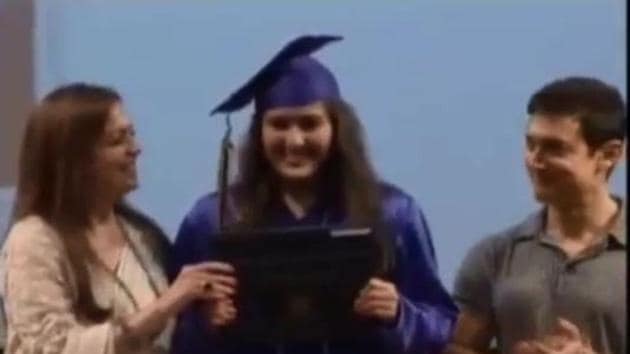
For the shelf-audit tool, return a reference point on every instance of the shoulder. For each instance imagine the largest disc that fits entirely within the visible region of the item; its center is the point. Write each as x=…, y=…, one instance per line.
x=406, y=223
x=400, y=208
x=392, y=193
x=207, y=204
x=395, y=200
x=33, y=246
x=31, y=235
x=492, y=247
x=483, y=263
x=199, y=225
x=151, y=233
x=201, y=220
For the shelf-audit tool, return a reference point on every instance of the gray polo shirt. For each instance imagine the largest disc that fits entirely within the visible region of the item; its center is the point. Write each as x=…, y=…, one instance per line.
x=522, y=281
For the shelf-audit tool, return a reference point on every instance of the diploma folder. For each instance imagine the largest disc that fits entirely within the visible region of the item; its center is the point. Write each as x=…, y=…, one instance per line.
x=298, y=284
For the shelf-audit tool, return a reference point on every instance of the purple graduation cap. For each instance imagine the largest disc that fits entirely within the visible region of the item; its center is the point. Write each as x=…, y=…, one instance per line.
x=290, y=79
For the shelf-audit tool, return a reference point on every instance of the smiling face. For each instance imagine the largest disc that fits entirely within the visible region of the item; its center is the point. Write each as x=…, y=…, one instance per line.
x=575, y=138
x=297, y=141
x=116, y=155
x=560, y=163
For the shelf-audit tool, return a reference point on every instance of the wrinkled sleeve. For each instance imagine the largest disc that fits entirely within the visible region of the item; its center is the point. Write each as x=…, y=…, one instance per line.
x=427, y=313
x=192, y=333
x=38, y=299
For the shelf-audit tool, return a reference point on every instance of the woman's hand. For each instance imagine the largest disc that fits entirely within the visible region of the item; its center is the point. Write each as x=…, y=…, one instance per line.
x=378, y=299
x=211, y=281
x=221, y=312
x=220, y=307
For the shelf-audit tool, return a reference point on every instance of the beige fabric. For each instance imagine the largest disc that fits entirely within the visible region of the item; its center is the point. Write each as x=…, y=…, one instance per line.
x=39, y=290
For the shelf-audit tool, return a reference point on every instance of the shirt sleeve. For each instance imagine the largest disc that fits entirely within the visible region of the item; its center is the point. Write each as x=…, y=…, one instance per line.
x=473, y=283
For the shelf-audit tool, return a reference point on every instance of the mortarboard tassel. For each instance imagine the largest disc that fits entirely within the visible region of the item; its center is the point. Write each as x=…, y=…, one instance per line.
x=227, y=150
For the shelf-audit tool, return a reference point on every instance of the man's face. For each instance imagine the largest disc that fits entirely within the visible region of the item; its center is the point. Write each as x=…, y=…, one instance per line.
x=559, y=162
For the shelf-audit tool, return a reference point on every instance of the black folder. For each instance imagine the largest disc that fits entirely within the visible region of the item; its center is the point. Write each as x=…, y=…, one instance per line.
x=298, y=283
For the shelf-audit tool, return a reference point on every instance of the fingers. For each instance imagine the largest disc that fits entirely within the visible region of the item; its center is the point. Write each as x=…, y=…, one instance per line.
x=375, y=304
x=542, y=348
x=210, y=284
x=222, y=313
x=379, y=283
x=378, y=294
x=380, y=313
x=524, y=347
x=568, y=329
x=566, y=338
x=566, y=347
x=219, y=292
x=225, y=280
x=554, y=342
x=378, y=299
x=378, y=290
x=212, y=267
x=376, y=307
x=375, y=284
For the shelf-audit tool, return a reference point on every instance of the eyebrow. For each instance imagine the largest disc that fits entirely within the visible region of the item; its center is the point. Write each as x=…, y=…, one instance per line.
x=545, y=140
x=121, y=130
x=295, y=116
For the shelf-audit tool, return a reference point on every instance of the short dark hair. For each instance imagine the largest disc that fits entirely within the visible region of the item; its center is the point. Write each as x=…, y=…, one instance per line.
x=598, y=106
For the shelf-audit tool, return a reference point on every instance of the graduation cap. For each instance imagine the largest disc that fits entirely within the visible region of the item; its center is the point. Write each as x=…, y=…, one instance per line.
x=292, y=78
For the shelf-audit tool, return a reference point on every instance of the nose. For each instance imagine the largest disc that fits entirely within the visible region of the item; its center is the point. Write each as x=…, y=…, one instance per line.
x=533, y=158
x=134, y=148
x=295, y=137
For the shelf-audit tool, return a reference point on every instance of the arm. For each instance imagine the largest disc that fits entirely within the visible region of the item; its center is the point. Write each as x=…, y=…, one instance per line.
x=473, y=292
x=41, y=306
x=192, y=332
x=190, y=285
x=426, y=312
x=473, y=334
x=38, y=297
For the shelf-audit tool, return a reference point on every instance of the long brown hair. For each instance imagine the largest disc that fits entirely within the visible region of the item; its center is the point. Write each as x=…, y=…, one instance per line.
x=347, y=176
x=55, y=181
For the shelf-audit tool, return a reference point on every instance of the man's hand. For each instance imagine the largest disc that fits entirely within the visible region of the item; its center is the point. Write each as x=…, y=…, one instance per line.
x=565, y=339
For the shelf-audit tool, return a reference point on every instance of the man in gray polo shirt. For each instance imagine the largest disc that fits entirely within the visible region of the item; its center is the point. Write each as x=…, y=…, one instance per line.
x=556, y=282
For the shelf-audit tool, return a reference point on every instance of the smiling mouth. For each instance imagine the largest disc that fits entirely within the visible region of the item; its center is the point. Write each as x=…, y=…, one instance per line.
x=296, y=160
x=296, y=164
x=542, y=183
x=129, y=169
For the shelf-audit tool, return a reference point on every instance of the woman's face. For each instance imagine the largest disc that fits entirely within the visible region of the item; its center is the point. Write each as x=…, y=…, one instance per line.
x=297, y=141
x=116, y=154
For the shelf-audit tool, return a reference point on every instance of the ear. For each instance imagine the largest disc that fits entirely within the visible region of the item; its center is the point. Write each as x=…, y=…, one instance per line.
x=609, y=155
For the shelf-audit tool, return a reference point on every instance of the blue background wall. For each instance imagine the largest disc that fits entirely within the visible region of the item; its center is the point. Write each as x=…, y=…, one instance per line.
x=441, y=87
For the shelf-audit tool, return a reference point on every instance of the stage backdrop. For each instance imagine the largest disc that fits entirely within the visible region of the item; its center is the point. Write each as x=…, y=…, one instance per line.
x=440, y=86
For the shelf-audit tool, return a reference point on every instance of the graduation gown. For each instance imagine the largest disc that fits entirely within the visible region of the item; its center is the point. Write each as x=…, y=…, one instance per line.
x=426, y=315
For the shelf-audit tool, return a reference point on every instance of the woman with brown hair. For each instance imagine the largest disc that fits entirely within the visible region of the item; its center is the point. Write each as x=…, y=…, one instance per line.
x=305, y=164
x=84, y=272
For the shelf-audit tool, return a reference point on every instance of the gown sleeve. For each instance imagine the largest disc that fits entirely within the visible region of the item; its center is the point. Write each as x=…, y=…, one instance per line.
x=427, y=313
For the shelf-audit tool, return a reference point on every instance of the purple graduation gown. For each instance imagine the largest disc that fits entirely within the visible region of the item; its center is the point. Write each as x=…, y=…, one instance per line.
x=427, y=313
